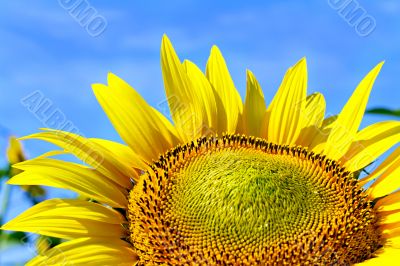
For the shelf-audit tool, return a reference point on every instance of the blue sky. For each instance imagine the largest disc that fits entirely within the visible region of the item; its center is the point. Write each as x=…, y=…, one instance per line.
x=43, y=47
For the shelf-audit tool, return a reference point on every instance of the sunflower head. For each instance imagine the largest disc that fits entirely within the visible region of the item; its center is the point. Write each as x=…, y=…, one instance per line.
x=227, y=182
x=230, y=199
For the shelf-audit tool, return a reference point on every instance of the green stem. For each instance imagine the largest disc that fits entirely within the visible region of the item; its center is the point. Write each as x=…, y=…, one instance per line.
x=4, y=202
x=6, y=197
x=3, y=209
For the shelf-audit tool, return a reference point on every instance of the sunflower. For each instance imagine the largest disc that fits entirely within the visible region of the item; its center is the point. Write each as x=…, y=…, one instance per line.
x=15, y=154
x=227, y=183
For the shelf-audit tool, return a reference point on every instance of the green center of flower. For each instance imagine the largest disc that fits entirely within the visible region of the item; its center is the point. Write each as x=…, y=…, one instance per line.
x=262, y=197
x=236, y=199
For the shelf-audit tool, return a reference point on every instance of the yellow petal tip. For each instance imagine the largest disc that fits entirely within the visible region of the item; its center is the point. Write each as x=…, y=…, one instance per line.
x=301, y=63
x=165, y=37
x=375, y=71
x=165, y=43
x=6, y=227
x=215, y=50
x=379, y=66
x=11, y=182
x=110, y=77
x=97, y=85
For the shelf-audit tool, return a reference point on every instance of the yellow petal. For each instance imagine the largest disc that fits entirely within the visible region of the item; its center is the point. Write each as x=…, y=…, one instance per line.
x=67, y=175
x=389, y=217
x=313, y=117
x=186, y=109
x=218, y=75
x=386, y=256
x=90, y=153
x=211, y=103
x=393, y=242
x=254, y=107
x=370, y=143
x=15, y=153
x=388, y=182
x=390, y=230
x=389, y=203
x=69, y=219
x=124, y=153
x=346, y=126
x=392, y=159
x=51, y=154
x=144, y=129
x=88, y=251
x=285, y=114
x=318, y=142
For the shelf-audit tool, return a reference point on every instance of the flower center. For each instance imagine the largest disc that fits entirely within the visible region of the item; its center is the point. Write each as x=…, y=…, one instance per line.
x=239, y=200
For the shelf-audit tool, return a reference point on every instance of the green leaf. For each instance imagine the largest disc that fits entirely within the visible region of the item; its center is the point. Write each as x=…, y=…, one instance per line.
x=14, y=238
x=21, y=237
x=384, y=111
x=5, y=172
